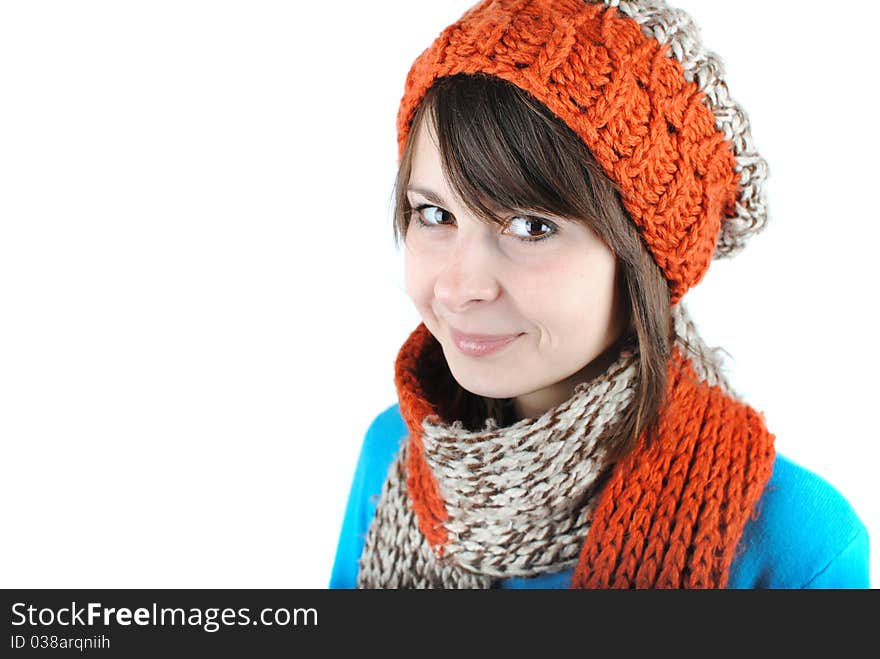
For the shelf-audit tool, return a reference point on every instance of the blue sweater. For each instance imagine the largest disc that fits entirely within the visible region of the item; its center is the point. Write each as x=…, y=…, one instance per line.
x=804, y=534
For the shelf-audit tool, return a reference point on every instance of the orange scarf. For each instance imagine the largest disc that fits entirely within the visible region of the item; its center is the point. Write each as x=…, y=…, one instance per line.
x=671, y=513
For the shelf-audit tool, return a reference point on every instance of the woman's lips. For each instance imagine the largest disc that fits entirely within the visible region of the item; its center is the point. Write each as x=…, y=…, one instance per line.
x=479, y=345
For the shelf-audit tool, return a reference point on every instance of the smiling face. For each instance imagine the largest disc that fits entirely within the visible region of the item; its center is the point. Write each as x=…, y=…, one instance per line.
x=544, y=286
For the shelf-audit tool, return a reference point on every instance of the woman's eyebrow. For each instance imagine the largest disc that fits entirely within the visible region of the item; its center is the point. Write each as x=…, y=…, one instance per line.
x=430, y=195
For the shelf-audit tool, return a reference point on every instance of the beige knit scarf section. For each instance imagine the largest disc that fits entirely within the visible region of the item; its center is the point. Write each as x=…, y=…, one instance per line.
x=519, y=498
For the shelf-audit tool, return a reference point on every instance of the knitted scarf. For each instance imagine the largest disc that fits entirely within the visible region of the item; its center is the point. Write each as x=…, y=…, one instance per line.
x=461, y=509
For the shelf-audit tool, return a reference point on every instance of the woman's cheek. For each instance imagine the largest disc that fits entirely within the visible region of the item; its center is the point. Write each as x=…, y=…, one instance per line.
x=419, y=270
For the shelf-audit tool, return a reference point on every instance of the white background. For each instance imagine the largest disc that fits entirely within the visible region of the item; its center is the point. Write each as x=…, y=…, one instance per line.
x=201, y=303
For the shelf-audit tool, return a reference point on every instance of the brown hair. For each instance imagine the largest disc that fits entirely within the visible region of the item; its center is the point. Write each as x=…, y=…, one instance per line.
x=501, y=148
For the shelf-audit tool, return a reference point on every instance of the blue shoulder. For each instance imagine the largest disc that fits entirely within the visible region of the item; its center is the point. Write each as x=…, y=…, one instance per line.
x=803, y=534
x=381, y=443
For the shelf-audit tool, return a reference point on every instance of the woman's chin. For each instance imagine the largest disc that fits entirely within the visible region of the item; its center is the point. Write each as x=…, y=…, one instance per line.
x=495, y=387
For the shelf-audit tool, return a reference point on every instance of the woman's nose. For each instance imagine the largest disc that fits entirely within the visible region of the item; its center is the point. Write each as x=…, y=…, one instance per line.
x=469, y=277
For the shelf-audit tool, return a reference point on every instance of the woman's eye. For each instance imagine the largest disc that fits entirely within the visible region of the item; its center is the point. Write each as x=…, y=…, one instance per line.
x=432, y=215
x=530, y=228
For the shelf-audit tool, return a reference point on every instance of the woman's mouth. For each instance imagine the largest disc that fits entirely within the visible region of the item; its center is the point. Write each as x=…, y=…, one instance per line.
x=480, y=345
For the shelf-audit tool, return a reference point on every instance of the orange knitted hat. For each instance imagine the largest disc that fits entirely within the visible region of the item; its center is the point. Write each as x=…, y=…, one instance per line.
x=633, y=80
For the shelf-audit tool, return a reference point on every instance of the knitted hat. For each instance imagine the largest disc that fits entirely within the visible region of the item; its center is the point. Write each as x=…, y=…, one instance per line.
x=633, y=80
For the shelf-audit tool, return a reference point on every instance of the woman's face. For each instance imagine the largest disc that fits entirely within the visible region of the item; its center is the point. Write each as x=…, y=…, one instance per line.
x=542, y=287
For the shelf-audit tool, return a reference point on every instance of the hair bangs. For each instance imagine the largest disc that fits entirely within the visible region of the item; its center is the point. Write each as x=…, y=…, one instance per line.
x=500, y=150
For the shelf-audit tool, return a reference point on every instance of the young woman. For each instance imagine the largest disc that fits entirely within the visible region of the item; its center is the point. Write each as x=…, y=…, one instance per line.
x=568, y=171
